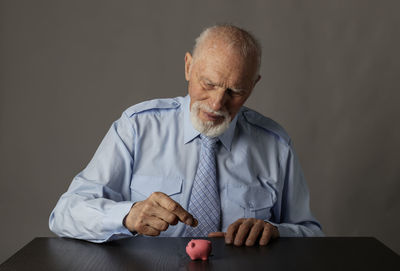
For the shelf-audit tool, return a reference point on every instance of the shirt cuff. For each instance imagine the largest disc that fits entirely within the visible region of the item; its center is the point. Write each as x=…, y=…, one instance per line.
x=115, y=216
x=283, y=231
x=293, y=230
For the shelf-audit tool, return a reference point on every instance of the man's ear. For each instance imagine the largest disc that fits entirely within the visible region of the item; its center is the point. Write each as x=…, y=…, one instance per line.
x=188, y=63
x=256, y=81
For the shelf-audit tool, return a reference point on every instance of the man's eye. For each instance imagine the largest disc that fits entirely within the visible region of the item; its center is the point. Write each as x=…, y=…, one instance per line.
x=209, y=86
x=233, y=92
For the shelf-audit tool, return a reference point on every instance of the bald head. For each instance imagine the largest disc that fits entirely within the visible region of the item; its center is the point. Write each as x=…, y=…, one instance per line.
x=231, y=38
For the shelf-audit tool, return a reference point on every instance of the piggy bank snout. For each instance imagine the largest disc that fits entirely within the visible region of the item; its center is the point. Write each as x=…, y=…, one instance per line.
x=191, y=245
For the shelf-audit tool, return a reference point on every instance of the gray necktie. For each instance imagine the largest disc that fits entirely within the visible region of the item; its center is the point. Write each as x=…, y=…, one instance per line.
x=204, y=200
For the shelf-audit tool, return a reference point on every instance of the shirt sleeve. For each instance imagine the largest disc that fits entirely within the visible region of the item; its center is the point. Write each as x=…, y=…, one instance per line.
x=98, y=198
x=295, y=219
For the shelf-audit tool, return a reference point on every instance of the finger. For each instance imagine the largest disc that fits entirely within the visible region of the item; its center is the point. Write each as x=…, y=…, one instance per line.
x=157, y=223
x=172, y=206
x=216, y=234
x=242, y=232
x=266, y=235
x=148, y=230
x=255, y=232
x=165, y=215
x=145, y=229
x=231, y=232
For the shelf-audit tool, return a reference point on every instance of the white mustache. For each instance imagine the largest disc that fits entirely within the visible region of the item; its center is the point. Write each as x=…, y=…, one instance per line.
x=209, y=128
x=221, y=113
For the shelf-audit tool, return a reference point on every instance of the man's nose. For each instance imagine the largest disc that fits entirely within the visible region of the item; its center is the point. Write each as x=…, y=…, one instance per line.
x=219, y=98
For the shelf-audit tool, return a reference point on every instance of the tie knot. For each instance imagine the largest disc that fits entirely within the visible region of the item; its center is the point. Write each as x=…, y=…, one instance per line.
x=209, y=142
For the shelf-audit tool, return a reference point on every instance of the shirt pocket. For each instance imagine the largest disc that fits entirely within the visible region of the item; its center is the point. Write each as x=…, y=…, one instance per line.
x=256, y=200
x=142, y=186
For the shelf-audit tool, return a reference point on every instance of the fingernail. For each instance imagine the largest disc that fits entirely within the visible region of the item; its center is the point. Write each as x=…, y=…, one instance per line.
x=189, y=221
x=228, y=241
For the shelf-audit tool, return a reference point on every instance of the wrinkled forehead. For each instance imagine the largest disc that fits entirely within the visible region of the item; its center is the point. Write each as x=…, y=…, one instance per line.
x=226, y=63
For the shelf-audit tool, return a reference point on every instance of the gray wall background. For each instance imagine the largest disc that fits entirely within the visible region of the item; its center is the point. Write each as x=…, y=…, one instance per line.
x=330, y=76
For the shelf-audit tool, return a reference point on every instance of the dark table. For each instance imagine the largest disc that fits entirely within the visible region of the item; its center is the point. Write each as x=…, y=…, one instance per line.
x=145, y=253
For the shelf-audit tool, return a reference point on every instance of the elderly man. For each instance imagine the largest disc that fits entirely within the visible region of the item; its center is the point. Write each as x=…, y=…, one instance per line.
x=200, y=165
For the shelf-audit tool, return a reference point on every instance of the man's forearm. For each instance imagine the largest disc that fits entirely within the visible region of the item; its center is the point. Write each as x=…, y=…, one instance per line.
x=90, y=218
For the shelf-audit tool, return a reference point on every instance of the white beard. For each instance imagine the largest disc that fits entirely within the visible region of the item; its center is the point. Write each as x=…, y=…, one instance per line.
x=208, y=128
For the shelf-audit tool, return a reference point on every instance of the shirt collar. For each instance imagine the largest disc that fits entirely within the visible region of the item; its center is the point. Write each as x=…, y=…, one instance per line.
x=191, y=133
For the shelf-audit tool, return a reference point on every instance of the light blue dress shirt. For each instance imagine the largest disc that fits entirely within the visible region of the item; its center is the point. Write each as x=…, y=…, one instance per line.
x=154, y=147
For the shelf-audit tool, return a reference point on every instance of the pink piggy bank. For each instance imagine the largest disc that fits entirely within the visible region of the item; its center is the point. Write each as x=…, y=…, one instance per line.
x=198, y=249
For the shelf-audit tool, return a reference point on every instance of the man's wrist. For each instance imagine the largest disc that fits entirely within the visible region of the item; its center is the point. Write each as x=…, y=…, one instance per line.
x=274, y=228
x=124, y=221
x=275, y=232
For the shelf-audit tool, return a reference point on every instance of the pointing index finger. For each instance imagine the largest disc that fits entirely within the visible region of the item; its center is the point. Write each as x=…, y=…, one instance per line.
x=172, y=206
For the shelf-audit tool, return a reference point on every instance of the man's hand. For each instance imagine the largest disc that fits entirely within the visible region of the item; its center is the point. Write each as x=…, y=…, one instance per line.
x=155, y=214
x=248, y=231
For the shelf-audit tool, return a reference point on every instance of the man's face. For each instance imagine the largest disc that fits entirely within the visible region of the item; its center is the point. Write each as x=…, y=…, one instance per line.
x=220, y=81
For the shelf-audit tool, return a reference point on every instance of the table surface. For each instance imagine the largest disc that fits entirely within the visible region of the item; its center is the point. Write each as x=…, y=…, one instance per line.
x=146, y=253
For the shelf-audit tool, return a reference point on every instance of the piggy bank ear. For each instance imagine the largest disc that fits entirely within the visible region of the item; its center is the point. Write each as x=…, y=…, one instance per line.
x=192, y=244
